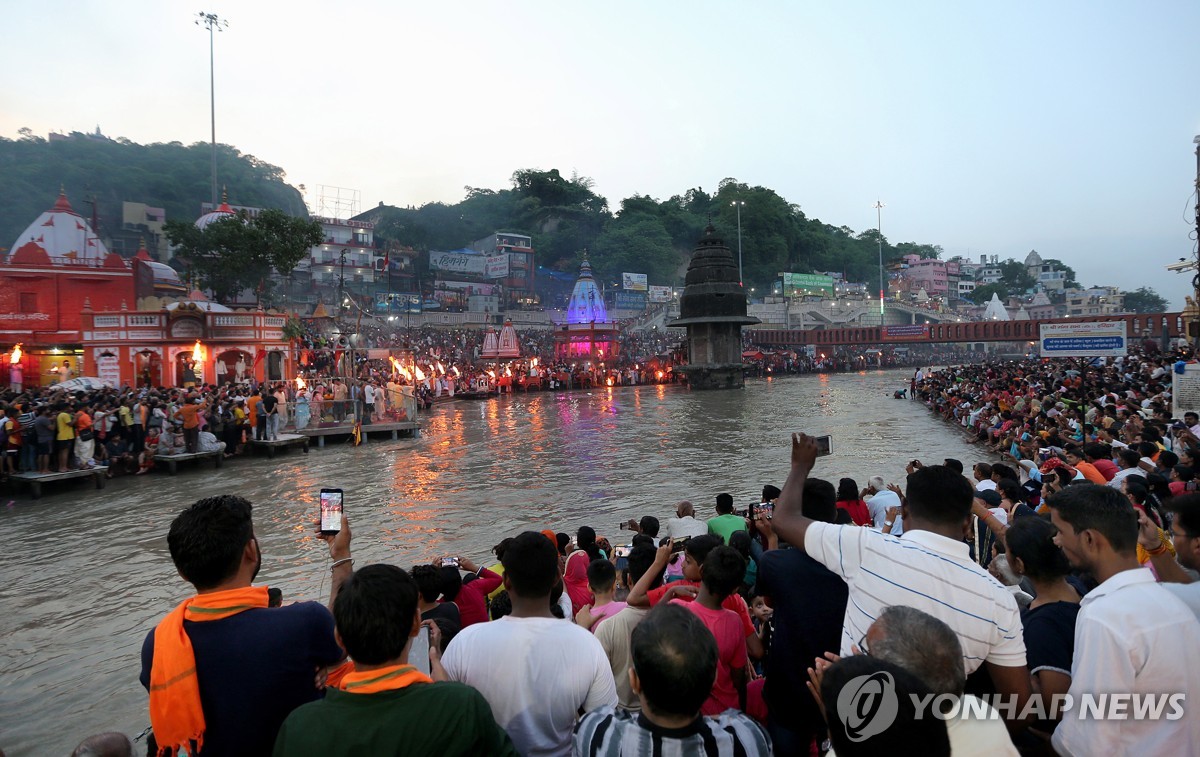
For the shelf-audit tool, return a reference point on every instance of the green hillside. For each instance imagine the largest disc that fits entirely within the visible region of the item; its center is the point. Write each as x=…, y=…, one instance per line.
x=171, y=176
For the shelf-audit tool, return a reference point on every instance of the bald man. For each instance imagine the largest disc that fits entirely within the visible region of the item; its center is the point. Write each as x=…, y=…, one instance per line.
x=685, y=524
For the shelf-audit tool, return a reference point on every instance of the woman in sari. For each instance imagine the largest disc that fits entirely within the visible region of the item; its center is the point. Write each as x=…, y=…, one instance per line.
x=301, y=410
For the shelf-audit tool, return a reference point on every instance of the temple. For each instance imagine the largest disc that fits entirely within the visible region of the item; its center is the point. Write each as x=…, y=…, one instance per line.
x=587, y=333
x=78, y=309
x=713, y=309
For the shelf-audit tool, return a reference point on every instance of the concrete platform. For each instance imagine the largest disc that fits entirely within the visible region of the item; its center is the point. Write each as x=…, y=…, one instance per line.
x=35, y=480
x=283, y=442
x=173, y=461
x=395, y=428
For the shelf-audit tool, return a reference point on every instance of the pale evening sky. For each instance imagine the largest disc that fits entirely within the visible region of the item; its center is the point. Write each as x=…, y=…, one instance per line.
x=1065, y=126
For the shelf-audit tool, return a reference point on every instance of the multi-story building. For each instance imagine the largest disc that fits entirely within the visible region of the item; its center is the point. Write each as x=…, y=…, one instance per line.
x=343, y=264
x=988, y=271
x=929, y=274
x=1095, y=301
x=518, y=281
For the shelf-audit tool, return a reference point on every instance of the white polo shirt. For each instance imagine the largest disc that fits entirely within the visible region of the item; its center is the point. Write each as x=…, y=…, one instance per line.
x=929, y=572
x=1132, y=636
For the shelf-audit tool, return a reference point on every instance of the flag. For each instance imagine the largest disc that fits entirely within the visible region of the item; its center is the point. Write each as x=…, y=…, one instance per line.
x=357, y=432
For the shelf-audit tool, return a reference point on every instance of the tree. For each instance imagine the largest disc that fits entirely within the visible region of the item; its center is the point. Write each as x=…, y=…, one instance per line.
x=1145, y=300
x=237, y=253
x=984, y=293
x=1015, y=276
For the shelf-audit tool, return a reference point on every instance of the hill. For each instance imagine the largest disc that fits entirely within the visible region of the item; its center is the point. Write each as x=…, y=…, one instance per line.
x=172, y=176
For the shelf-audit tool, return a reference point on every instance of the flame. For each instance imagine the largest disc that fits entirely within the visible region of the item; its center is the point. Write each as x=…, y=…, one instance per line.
x=610, y=381
x=441, y=370
x=407, y=374
x=533, y=363
x=419, y=373
x=198, y=352
x=396, y=367
x=507, y=371
x=660, y=375
x=492, y=374
x=300, y=384
x=15, y=357
x=455, y=369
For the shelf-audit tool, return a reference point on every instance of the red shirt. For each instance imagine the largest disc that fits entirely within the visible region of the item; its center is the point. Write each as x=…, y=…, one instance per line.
x=1107, y=468
x=858, y=511
x=731, y=655
x=733, y=602
x=472, y=598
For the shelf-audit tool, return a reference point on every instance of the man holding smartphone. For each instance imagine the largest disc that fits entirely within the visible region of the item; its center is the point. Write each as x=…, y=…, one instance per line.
x=223, y=669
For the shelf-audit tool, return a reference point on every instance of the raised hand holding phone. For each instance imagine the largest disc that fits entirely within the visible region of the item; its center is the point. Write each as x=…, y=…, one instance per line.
x=331, y=511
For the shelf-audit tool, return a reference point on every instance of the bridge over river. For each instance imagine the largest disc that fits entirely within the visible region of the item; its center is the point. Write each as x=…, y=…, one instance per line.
x=1139, y=325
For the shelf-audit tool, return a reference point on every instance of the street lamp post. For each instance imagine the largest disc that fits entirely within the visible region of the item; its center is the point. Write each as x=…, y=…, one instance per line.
x=214, y=24
x=738, y=204
x=879, y=206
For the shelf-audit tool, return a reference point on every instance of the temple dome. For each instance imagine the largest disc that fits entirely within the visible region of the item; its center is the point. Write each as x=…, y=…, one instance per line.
x=59, y=235
x=223, y=211
x=587, y=303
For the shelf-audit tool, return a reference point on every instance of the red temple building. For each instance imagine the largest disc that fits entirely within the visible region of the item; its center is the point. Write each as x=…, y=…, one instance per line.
x=78, y=309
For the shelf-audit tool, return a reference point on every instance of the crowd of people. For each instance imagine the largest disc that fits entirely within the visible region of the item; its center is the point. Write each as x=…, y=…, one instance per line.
x=977, y=608
x=49, y=430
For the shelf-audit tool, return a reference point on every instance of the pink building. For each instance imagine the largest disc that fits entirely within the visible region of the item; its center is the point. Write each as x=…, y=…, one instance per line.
x=928, y=274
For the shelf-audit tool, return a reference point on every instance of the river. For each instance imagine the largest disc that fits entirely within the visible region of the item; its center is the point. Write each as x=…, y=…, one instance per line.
x=86, y=574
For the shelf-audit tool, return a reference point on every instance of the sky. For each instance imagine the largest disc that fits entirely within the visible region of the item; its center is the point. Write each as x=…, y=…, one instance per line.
x=987, y=128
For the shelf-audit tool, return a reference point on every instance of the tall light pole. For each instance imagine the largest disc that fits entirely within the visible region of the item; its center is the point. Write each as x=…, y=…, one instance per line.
x=879, y=206
x=214, y=24
x=1196, y=278
x=738, y=204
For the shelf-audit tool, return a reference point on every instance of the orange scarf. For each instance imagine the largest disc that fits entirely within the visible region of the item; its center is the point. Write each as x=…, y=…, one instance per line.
x=388, y=678
x=175, y=711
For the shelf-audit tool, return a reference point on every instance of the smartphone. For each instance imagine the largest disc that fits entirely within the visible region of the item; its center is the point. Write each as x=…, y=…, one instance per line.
x=331, y=511
x=680, y=545
x=450, y=562
x=418, y=653
x=824, y=445
x=766, y=508
x=622, y=551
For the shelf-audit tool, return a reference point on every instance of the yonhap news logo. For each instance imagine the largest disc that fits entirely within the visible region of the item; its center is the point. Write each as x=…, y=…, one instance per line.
x=868, y=705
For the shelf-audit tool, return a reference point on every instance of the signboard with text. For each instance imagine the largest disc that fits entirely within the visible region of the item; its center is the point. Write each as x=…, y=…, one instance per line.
x=623, y=300
x=807, y=284
x=660, y=294
x=458, y=262
x=1101, y=339
x=634, y=281
x=1185, y=390
x=911, y=333
x=496, y=266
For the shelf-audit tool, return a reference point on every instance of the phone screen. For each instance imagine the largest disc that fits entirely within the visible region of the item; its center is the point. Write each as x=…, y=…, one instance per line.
x=824, y=445
x=331, y=511
x=418, y=653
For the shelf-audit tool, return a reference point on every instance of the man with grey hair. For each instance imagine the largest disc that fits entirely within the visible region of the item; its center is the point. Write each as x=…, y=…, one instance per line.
x=930, y=650
x=879, y=500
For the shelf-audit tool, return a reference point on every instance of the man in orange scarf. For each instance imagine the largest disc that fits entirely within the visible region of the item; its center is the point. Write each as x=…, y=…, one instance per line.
x=224, y=670
x=385, y=705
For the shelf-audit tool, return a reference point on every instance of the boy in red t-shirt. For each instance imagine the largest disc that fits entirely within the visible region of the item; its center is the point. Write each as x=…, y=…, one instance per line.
x=721, y=575
x=696, y=551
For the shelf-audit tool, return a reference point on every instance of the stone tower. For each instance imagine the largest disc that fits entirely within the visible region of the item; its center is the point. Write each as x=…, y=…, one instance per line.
x=713, y=309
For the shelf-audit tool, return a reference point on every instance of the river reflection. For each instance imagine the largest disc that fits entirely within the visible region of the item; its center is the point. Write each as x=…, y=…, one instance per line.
x=87, y=573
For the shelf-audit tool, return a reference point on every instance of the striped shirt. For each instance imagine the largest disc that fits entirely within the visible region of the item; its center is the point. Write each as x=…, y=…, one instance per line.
x=608, y=732
x=929, y=572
